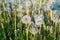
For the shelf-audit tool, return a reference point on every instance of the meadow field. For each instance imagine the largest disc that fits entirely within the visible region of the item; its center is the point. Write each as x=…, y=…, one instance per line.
x=29, y=20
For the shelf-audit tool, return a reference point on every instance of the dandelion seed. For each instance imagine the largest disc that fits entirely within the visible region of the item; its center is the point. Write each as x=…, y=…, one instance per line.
x=26, y=19
x=33, y=29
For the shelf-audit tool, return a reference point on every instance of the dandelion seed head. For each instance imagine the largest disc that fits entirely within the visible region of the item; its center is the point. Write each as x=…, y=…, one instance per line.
x=39, y=21
x=46, y=6
x=40, y=16
x=33, y=29
x=56, y=12
x=26, y=19
x=54, y=19
x=53, y=6
x=8, y=9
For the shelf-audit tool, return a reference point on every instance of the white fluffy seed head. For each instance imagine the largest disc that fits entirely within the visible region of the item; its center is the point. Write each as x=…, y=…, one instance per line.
x=39, y=19
x=56, y=12
x=26, y=19
x=54, y=19
x=32, y=28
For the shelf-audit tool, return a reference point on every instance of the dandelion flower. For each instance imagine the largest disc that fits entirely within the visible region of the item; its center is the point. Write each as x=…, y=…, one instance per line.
x=39, y=21
x=54, y=19
x=46, y=6
x=8, y=9
x=56, y=12
x=38, y=16
x=26, y=19
x=33, y=29
x=56, y=16
x=53, y=6
x=41, y=16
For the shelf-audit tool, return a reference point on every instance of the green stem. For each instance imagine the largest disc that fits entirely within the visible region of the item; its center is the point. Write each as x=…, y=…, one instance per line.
x=21, y=36
x=34, y=37
x=15, y=25
x=40, y=32
x=55, y=31
x=26, y=32
x=3, y=31
x=44, y=38
x=14, y=14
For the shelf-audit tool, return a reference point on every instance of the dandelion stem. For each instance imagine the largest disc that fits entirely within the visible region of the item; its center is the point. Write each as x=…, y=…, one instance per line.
x=55, y=31
x=26, y=32
x=34, y=36
x=15, y=23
